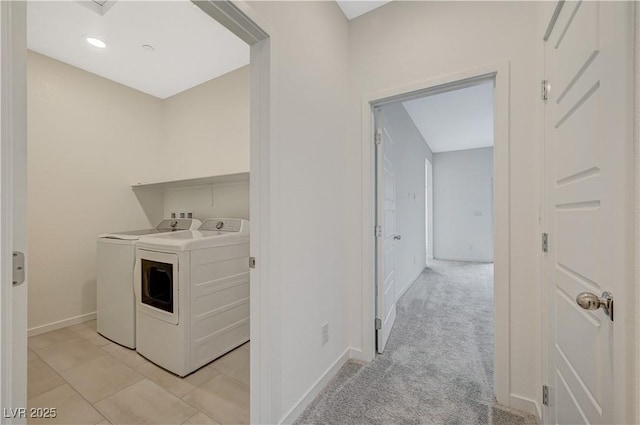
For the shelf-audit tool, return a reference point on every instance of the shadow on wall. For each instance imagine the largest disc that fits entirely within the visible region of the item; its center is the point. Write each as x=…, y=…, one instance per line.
x=152, y=203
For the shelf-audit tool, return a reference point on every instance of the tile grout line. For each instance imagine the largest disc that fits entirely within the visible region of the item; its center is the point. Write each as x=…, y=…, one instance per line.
x=81, y=396
x=121, y=389
x=78, y=338
x=50, y=389
x=231, y=377
x=197, y=387
x=125, y=387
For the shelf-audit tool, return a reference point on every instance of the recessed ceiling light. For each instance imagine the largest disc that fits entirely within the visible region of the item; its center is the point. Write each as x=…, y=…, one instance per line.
x=96, y=42
x=148, y=47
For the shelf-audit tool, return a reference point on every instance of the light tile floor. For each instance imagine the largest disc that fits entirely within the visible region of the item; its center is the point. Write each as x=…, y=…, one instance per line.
x=90, y=380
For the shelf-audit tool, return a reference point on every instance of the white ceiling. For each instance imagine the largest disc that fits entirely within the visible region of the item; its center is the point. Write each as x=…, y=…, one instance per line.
x=181, y=59
x=354, y=8
x=455, y=120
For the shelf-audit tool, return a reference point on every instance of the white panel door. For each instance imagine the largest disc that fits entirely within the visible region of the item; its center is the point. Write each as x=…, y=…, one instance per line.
x=13, y=183
x=386, y=236
x=588, y=152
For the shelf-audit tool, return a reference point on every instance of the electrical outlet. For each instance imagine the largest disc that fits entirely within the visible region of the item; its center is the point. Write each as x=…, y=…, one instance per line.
x=325, y=333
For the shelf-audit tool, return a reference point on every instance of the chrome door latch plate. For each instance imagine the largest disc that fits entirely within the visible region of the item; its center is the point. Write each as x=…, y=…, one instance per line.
x=18, y=268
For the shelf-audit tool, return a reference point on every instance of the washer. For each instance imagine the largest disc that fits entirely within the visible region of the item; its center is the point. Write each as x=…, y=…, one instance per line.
x=192, y=294
x=116, y=259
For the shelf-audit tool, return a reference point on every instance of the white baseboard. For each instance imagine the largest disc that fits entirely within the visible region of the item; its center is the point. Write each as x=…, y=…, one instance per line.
x=359, y=355
x=408, y=284
x=470, y=259
x=526, y=405
x=315, y=389
x=61, y=324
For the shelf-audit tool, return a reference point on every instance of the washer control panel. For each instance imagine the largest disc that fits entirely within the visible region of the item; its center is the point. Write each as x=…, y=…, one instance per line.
x=222, y=224
x=173, y=224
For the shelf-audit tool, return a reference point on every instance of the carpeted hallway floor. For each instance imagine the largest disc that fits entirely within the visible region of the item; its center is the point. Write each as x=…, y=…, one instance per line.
x=437, y=367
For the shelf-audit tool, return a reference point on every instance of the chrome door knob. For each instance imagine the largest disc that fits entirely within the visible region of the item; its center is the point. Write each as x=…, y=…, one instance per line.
x=590, y=301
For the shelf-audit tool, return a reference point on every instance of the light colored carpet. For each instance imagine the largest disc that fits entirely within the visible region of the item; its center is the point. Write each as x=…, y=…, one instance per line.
x=437, y=367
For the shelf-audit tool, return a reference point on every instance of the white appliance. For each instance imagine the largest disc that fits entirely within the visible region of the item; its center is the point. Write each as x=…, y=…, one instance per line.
x=116, y=259
x=192, y=294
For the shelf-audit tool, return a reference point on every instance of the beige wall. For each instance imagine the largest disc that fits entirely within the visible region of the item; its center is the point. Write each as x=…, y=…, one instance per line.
x=207, y=129
x=88, y=137
x=89, y=140
x=207, y=202
x=206, y=132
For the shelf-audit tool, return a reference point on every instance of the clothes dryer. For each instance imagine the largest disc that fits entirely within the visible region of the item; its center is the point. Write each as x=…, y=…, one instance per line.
x=192, y=294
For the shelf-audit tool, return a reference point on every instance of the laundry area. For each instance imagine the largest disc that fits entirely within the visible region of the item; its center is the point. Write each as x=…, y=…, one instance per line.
x=138, y=192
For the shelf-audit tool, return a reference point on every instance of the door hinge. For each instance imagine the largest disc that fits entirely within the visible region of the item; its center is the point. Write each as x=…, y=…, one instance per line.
x=378, y=324
x=545, y=395
x=18, y=268
x=378, y=231
x=544, y=89
x=545, y=242
x=252, y=262
x=378, y=137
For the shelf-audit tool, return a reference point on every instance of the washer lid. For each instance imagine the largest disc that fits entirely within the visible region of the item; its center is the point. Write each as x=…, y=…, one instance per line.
x=167, y=225
x=131, y=235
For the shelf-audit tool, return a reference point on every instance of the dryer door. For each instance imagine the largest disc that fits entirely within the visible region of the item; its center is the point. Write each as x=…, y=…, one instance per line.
x=157, y=285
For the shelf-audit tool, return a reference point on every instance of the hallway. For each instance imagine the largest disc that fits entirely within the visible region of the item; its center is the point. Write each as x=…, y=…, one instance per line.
x=437, y=367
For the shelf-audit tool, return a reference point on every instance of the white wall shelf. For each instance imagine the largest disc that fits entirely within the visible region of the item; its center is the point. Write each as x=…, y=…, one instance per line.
x=219, y=180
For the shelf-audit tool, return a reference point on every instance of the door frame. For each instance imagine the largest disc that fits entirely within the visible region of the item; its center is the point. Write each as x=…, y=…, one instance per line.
x=13, y=140
x=428, y=213
x=634, y=357
x=239, y=18
x=243, y=21
x=501, y=73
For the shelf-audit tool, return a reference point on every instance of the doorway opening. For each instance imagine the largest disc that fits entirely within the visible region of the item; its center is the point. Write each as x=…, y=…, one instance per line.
x=462, y=205
x=258, y=79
